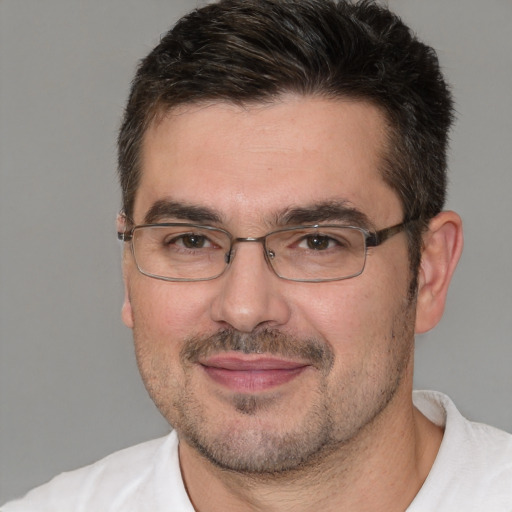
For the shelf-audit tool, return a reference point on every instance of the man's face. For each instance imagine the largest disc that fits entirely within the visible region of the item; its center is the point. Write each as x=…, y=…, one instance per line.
x=259, y=373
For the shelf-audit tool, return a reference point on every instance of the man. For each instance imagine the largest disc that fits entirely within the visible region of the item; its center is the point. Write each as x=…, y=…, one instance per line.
x=283, y=167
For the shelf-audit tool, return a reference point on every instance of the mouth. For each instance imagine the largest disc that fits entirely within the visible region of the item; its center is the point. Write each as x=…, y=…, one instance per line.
x=249, y=374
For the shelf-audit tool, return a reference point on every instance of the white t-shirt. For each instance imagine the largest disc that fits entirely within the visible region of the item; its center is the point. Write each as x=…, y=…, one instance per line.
x=472, y=473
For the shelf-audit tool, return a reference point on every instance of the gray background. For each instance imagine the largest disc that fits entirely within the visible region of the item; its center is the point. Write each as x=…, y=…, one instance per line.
x=69, y=389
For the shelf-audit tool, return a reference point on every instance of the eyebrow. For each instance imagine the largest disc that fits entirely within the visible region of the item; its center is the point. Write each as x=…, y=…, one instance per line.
x=327, y=211
x=165, y=209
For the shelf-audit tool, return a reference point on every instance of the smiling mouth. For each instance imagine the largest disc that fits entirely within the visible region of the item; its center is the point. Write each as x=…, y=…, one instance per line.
x=243, y=374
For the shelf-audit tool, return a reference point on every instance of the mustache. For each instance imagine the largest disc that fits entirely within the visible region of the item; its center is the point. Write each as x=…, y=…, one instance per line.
x=266, y=341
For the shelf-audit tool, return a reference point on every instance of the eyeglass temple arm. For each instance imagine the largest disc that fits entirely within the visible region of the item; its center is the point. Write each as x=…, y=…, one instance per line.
x=124, y=236
x=377, y=238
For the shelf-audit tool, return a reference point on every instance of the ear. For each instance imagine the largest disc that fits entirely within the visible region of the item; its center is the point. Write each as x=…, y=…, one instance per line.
x=442, y=247
x=126, y=310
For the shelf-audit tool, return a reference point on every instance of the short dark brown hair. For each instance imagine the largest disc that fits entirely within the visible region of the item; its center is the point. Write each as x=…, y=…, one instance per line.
x=249, y=51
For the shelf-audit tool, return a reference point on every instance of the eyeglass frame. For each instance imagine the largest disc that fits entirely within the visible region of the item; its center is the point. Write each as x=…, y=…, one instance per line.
x=371, y=239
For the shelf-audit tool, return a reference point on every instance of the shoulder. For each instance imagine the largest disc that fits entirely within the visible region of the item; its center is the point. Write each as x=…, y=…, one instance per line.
x=473, y=468
x=117, y=482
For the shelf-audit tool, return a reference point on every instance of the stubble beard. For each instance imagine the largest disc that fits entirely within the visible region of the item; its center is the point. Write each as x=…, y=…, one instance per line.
x=333, y=418
x=244, y=446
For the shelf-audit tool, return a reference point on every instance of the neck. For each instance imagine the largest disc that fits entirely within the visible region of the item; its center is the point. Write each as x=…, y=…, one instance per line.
x=382, y=469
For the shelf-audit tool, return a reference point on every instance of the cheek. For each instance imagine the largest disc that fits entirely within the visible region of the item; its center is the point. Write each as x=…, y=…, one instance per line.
x=336, y=311
x=165, y=310
x=353, y=316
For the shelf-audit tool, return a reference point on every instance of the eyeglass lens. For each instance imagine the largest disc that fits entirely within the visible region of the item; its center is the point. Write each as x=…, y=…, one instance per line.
x=199, y=253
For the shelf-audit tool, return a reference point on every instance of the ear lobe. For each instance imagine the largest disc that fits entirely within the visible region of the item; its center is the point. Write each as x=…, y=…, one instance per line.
x=442, y=247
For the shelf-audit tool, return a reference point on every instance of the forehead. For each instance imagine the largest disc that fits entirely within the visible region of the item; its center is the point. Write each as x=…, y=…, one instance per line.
x=252, y=162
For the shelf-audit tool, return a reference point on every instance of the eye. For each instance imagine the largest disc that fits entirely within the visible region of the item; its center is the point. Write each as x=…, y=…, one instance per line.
x=318, y=242
x=191, y=241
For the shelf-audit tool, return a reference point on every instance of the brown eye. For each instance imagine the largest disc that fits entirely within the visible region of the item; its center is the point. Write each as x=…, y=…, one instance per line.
x=318, y=242
x=189, y=241
x=194, y=241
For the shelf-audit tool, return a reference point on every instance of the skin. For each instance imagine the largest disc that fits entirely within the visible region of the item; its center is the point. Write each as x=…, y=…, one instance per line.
x=342, y=434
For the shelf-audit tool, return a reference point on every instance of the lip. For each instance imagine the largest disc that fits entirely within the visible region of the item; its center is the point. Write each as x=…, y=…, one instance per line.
x=246, y=374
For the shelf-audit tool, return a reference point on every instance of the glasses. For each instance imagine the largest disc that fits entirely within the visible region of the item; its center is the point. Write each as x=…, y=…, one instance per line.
x=190, y=252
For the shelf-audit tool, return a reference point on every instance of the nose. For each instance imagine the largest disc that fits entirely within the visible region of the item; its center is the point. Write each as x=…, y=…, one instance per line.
x=250, y=293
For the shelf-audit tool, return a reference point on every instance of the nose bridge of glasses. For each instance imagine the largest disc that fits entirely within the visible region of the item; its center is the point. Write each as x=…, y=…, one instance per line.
x=231, y=253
